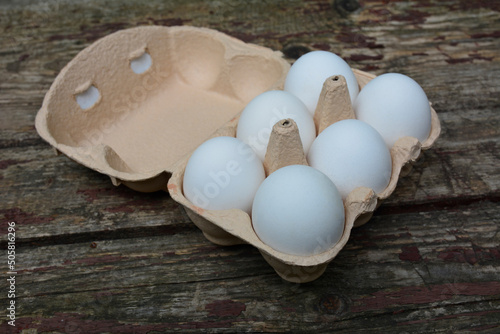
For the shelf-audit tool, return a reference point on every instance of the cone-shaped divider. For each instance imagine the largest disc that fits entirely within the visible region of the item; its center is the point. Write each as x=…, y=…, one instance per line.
x=334, y=103
x=285, y=147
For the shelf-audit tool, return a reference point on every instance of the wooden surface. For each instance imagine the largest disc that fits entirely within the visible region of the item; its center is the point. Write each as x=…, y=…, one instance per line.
x=94, y=258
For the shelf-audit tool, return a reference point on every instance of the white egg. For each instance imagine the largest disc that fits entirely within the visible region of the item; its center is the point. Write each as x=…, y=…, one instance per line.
x=298, y=210
x=352, y=154
x=223, y=173
x=396, y=106
x=307, y=75
x=264, y=111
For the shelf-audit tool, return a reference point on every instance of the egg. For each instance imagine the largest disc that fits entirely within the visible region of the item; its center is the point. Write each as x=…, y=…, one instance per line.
x=396, y=106
x=223, y=173
x=298, y=210
x=307, y=75
x=352, y=154
x=264, y=111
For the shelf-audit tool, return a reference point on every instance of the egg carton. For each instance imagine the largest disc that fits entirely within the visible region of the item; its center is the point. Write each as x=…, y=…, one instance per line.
x=135, y=105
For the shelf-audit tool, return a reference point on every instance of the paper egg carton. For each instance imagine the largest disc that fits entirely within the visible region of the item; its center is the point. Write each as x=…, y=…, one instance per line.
x=135, y=104
x=135, y=127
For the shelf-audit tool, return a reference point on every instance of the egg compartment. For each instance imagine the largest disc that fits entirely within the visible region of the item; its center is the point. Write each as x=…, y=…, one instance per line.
x=231, y=227
x=135, y=102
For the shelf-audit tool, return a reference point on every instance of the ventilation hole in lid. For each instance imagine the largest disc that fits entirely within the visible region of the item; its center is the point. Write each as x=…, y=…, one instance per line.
x=141, y=64
x=88, y=98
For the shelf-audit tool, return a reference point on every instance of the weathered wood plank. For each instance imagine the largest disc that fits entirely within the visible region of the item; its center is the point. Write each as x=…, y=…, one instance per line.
x=209, y=309
x=456, y=235
x=396, y=271
x=94, y=258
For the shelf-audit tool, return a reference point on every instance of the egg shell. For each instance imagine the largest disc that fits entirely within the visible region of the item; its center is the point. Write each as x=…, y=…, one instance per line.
x=259, y=116
x=307, y=75
x=223, y=173
x=298, y=210
x=396, y=106
x=352, y=154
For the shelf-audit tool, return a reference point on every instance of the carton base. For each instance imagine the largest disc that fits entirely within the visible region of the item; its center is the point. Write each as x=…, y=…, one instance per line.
x=212, y=232
x=293, y=273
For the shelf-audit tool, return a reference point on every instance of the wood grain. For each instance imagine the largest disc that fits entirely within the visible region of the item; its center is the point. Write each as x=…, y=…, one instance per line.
x=94, y=258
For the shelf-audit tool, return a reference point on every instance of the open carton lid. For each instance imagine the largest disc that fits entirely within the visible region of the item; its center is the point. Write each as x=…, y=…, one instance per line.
x=135, y=102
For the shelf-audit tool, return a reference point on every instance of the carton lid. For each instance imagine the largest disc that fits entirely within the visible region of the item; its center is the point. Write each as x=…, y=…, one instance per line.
x=135, y=102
